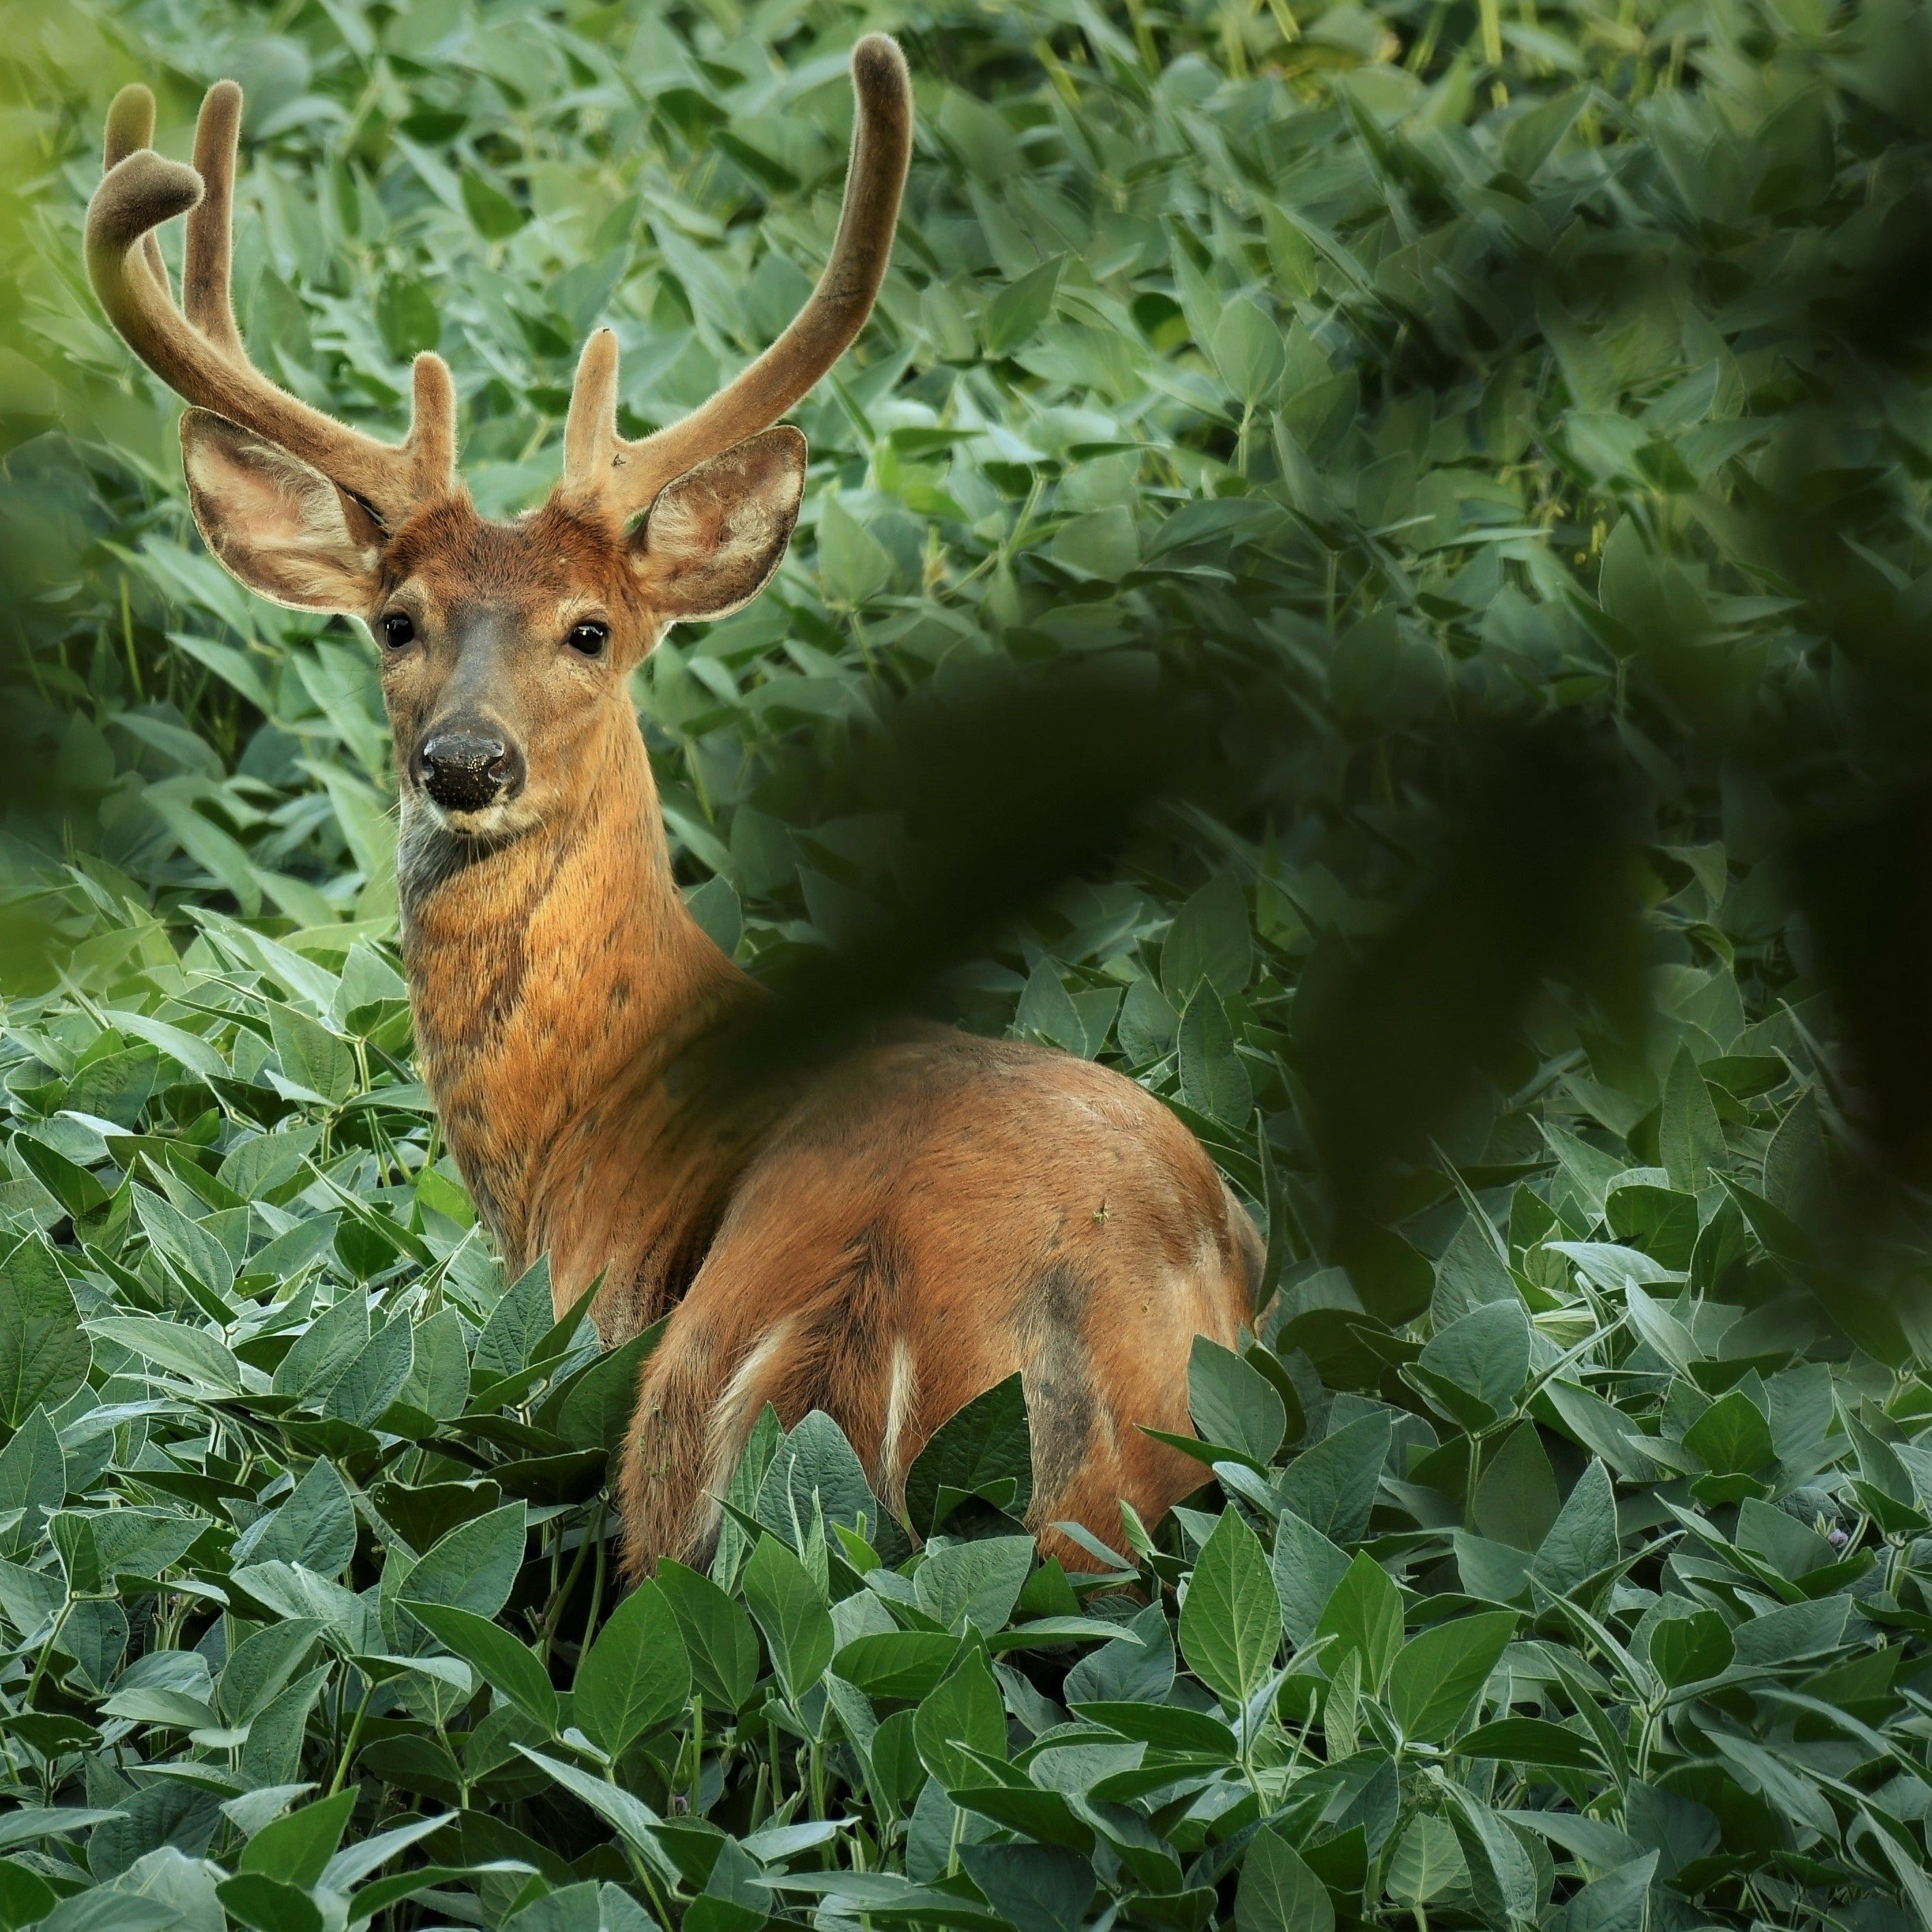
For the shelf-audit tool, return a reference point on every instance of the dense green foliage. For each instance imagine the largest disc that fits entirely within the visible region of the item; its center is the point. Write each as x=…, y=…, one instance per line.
x=1562, y=1561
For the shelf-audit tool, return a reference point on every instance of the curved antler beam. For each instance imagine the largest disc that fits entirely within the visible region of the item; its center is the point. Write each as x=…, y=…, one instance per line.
x=623, y=478
x=199, y=354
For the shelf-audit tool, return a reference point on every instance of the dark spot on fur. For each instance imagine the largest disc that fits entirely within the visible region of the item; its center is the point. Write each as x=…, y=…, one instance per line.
x=1057, y=1374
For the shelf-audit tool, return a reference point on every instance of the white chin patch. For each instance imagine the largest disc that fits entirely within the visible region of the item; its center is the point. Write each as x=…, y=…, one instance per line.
x=493, y=821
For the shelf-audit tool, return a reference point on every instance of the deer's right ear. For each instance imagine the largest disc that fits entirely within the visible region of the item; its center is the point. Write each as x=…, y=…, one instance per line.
x=715, y=535
x=280, y=526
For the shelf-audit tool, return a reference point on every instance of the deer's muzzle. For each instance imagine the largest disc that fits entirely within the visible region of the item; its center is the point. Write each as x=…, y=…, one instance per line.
x=465, y=770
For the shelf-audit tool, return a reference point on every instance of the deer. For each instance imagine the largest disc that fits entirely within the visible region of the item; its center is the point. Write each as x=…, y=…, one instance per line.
x=884, y=1238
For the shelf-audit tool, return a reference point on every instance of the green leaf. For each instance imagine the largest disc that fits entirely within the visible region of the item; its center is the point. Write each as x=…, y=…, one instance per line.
x=1688, y=1132
x=1233, y=1403
x=1209, y=940
x=854, y=565
x=1277, y=1891
x=1688, y=1648
x=597, y=1410
x=409, y=316
x=1583, y=1541
x=324, y=1349
x=983, y=1449
x=190, y=1352
x=1612, y=1904
x=33, y=1473
x=1440, y=1671
x=474, y=1567
x=791, y=1610
x=1104, y=543
x=44, y=1355
x=1428, y=1862
x=495, y=214
x=1532, y=1741
x=1731, y=1436
x=1307, y=1568
x=719, y=1638
x=975, y=1583
x=1517, y=1501
x=518, y=1322
x=1485, y=1355
x=637, y=1676
x=896, y=1664
x=1014, y=316
x=318, y=1062
x=965, y=1714
x=315, y=1527
x=268, y=1903
x=1231, y=1625
x=296, y=1850
x=1334, y=1484
x=509, y=1668
x=1034, y=1888
x=1364, y=1615
x=1249, y=352
x=1213, y=1080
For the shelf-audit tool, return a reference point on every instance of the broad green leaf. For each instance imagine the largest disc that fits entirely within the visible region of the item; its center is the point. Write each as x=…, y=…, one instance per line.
x=1364, y=1615
x=1014, y=315
x=296, y=1850
x=313, y=1059
x=1249, y=352
x=1277, y=1891
x=1685, y=1649
x=636, y=1676
x=962, y=1715
x=44, y=1355
x=1583, y=1542
x=474, y=1567
x=1441, y=1670
x=975, y=1583
x=1485, y=1355
x=1307, y=1567
x=508, y=1667
x=1230, y=1624
x=1233, y=1404
x=1332, y=1485
x=719, y=1638
x=1689, y=1134
x=984, y=1449
x=519, y=1321
x=315, y=1527
x=791, y=1612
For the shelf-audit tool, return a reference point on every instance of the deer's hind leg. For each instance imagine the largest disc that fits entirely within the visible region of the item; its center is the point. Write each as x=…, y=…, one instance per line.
x=745, y=1336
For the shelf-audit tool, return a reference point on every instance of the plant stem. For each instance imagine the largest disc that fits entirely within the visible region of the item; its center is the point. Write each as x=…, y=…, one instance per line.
x=349, y=1748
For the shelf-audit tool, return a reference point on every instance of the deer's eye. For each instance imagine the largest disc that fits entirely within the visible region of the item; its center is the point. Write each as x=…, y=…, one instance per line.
x=398, y=630
x=589, y=638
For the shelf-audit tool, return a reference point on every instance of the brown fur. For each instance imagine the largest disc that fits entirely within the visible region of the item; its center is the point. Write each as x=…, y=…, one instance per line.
x=884, y=1240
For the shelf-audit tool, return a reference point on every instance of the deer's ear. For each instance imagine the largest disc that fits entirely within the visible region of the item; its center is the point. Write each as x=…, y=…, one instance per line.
x=714, y=536
x=280, y=526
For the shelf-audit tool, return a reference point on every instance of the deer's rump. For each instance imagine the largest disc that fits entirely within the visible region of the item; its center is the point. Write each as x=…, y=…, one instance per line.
x=942, y=1212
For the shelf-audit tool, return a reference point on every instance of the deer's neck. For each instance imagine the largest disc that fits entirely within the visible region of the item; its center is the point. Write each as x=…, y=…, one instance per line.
x=556, y=982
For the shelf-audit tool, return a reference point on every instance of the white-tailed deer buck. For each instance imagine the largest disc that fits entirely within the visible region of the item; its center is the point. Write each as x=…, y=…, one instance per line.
x=884, y=1240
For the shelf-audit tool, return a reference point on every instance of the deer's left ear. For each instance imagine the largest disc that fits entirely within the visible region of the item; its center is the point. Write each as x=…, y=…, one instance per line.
x=715, y=535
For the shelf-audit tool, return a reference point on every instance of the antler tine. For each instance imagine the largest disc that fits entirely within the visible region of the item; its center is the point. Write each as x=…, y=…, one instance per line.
x=205, y=265
x=624, y=477
x=199, y=355
x=131, y=125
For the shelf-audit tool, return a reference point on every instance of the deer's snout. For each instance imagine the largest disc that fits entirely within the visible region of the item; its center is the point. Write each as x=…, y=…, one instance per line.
x=465, y=768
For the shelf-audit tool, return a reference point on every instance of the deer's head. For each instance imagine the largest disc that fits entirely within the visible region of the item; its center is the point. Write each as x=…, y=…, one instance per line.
x=505, y=647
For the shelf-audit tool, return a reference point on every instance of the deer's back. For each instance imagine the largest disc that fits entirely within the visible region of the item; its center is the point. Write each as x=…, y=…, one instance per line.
x=936, y=1214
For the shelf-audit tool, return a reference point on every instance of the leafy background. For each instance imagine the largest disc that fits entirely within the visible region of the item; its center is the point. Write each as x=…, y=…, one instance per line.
x=1559, y=1561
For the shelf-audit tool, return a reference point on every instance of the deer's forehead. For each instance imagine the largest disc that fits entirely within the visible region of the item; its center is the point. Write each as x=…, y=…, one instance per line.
x=452, y=556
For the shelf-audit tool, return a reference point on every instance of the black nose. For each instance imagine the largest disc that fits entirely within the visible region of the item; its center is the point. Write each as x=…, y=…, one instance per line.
x=464, y=771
